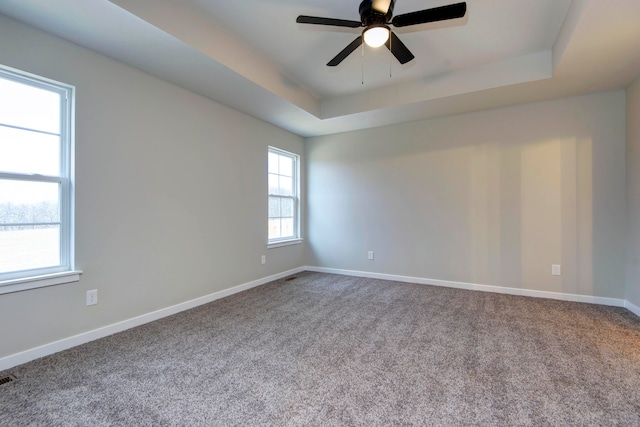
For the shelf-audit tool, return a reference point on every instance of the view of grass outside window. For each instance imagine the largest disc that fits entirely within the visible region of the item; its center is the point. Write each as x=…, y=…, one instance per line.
x=35, y=194
x=283, y=196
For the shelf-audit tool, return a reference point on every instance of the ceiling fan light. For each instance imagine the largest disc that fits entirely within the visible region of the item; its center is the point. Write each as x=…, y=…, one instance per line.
x=376, y=36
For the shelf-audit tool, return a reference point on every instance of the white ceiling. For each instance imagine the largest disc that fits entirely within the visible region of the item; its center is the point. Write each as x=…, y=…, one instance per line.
x=252, y=56
x=492, y=30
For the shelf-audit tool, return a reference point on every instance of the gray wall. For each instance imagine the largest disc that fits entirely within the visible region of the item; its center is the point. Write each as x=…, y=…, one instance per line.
x=633, y=193
x=492, y=197
x=170, y=198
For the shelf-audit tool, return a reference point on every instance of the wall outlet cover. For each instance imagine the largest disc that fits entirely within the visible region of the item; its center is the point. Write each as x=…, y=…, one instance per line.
x=92, y=297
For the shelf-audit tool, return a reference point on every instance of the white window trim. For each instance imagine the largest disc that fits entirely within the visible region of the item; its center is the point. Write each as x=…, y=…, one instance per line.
x=288, y=242
x=297, y=239
x=65, y=272
x=33, y=282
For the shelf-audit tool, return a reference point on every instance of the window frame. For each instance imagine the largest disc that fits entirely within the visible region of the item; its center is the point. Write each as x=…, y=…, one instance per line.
x=65, y=271
x=297, y=238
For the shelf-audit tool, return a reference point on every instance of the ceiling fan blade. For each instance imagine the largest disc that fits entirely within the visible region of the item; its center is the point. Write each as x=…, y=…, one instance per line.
x=441, y=13
x=303, y=19
x=399, y=50
x=382, y=6
x=345, y=52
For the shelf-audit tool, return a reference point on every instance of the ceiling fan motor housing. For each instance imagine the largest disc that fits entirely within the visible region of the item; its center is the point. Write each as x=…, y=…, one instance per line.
x=370, y=17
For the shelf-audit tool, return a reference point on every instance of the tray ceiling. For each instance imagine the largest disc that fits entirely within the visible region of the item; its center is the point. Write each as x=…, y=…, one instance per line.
x=252, y=56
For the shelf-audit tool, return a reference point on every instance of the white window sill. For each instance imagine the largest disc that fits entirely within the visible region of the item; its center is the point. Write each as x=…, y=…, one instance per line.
x=25, y=283
x=284, y=243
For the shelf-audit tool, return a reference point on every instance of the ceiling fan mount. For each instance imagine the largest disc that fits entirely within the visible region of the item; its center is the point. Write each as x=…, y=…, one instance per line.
x=376, y=16
x=370, y=16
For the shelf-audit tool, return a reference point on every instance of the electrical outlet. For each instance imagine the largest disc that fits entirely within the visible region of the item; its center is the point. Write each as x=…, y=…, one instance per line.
x=263, y=259
x=556, y=270
x=370, y=255
x=92, y=297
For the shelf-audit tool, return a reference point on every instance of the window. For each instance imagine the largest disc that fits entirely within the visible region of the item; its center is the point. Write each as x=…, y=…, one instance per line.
x=36, y=196
x=283, y=198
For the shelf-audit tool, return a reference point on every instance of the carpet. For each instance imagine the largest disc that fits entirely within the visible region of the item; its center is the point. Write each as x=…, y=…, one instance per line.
x=331, y=350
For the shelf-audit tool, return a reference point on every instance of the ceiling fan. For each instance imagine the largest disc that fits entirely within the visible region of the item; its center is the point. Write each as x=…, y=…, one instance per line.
x=375, y=17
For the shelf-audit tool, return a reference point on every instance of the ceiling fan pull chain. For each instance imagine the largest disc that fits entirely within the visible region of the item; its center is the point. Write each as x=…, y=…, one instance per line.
x=390, y=55
x=362, y=63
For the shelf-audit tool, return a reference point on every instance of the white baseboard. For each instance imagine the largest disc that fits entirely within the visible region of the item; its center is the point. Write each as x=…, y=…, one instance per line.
x=477, y=287
x=10, y=361
x=632, y=307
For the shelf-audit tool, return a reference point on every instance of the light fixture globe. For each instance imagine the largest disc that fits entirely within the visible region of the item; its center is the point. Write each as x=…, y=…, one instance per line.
x=376, y=36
